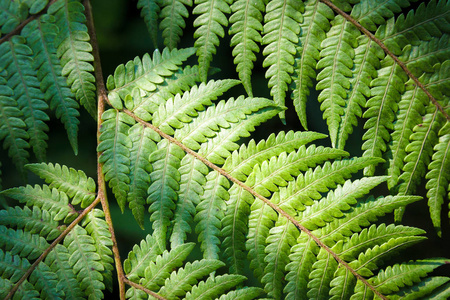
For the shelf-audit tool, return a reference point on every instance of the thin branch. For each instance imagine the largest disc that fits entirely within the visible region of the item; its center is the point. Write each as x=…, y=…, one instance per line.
x=19, y=28
x=140, y=287
x=254, y=193
x=52, y=245
x=388, y=52
x=101, y=99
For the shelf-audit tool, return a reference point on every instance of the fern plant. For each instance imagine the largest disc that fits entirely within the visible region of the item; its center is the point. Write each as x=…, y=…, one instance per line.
x=231, y=216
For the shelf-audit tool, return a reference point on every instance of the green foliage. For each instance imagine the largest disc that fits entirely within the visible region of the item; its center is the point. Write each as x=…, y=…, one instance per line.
x=233, y=215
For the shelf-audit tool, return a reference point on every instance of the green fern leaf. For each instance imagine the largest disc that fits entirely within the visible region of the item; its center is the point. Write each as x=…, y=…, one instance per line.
x=210, y=23
x=162, y=193
x=427, y=21
x=45, y=281
x=149, y=11
x=73, y=50
x=141, y=256
x=143, y=140
x=15, y=58
x=85, y=262
x=303, y=256
x=25, y=291
x=235, y=228
x=12, y=127
x=366, y=61
x=370, y=13
x=35, y=221
x=70, y=181
x=246, y=293
x=437, y=179
x=193, y=179
x=12, y=266
x=214, y=286
x=253, y=111
x=386, y=92
x=432, y=288
x=40, y=35
x=22, y=243
x=393, y=278
x=279, y=242
x=181, y=281
x=58, y=261
x=245, y=30
x=97, y=228
x=280, y=35
x=11, y=15
x=180, y=110
x=210, y=212
x=173, y=14
x=115, y=145
x=145, y=74
x=57, y=203
x=321, y=275
x=241, y=163
x=419, y=152
x=159, y=270
x=336, y=62
x=313, y=31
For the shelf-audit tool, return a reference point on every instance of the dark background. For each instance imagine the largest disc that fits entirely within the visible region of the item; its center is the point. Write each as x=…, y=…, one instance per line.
x=122, y=35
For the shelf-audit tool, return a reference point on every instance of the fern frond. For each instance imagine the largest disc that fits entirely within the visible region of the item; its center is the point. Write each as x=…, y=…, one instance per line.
x=180, y=110
x=15, y=58
x=433, y=287
x=309, y=185
x=246, y=293
x=372, y=13
x=210, y=212
x=420, y=151
x=73, y=183
x=246, y=31
x=406, y=274
x=427, y=21
x=149, y=11
x=280, y=35
x=146, y=73
x=34, y=221
x=192, y=182
x=45, y=281
x=313, y=31
x=321, y=274
x=141, y=256
x=143, y=144
x=40, y=35
x=51, y=200
x=97, y=228
x=22, y=243
x=173, y=13
x=12, y=127
x=336, y=62
x=162, y=192
x=115, y=145
x=242, y=161
x=210, y=23
x=222, y=119
x=58, y=261
x=366, y=61
x=74, y=51
x=214, y=286
x=145, y=106
x=159, y=270
x=12, y=13
x=181, y=281
x=85, y=262
x=438, y=179
x=279, y=242
x=386, y=93
x=253, y=112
